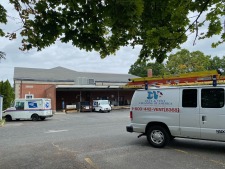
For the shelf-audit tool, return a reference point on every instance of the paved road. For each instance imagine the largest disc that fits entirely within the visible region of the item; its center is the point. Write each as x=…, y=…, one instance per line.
x=97, y=141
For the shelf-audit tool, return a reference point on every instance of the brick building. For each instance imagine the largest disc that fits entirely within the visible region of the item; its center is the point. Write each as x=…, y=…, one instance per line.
x=71, y=87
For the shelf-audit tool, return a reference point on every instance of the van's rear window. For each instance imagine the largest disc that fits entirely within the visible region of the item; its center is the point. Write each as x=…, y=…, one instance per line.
x=212, y=98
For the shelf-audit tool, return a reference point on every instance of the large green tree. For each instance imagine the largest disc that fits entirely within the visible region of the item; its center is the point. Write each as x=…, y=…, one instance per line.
x=158, y=26
x=217, y=63
x=8, y=93
x=140, y=68
x=180, y=62
x=184, y=61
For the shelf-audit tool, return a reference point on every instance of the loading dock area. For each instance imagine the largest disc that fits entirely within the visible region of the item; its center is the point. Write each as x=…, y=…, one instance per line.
x=68, y=95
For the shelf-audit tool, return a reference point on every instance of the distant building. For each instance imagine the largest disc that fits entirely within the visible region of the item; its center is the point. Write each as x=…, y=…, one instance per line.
x=69, y=87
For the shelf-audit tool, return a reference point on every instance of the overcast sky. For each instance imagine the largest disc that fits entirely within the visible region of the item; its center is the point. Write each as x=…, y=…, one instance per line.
x=65, y=55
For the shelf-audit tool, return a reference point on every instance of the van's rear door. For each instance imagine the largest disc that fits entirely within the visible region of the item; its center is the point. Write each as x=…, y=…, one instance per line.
x=212, y=114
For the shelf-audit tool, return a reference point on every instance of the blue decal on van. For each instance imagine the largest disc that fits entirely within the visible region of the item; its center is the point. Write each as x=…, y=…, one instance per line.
x=154, y=94
x=32, y=105
x=47, y=105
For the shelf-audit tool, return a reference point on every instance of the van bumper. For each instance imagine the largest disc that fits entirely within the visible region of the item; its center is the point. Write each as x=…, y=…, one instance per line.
x=130, y=129
x=47, y=116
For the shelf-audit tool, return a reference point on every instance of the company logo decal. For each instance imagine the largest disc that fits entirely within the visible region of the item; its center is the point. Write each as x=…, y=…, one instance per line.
x=32, y=105
x=154, y=94
x=155, y=98
x=47, y=105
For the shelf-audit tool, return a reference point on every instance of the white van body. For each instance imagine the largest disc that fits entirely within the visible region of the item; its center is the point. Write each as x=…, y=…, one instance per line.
x=35, y=109
x=190, y=112
x=101, y=105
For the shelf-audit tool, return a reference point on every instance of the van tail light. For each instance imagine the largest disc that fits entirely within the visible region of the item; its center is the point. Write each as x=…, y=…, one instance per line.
x=131, y=115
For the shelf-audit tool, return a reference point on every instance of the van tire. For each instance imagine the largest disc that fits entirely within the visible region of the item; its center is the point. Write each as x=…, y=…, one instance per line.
x=35, y=117
x=157, y=136
x=8, y=118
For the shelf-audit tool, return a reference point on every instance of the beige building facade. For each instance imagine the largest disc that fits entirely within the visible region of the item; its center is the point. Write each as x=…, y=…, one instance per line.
x=68, y=87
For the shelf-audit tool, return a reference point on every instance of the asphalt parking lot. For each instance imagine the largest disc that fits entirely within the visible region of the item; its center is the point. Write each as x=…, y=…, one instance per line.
x=98, y=141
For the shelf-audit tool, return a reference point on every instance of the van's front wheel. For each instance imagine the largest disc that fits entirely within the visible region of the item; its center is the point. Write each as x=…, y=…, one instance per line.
x=157, y=136
x=8, y=118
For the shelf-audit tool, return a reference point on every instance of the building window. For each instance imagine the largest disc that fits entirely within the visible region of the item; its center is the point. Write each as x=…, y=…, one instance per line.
x=29, y=96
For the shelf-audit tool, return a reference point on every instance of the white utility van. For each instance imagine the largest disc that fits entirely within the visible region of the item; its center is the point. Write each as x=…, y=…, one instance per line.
x=101, y=105
x=162, y=114
x=35, y=109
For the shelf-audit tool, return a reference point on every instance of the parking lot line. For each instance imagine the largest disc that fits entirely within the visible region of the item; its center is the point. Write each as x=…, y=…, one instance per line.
x=55, y=131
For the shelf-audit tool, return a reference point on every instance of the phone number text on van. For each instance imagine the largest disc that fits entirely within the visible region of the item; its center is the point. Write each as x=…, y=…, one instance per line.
x=156, y=109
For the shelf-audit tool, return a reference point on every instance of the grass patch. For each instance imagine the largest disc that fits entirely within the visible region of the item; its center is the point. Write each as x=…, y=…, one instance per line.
x=2, y=122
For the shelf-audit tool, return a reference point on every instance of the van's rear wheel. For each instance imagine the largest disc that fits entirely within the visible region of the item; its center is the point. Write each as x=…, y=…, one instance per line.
x=35, y=117
x=157, y=136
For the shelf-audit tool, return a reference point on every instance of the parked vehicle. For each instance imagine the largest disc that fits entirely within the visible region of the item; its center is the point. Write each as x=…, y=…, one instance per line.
x=85, y=106
x=34, y=109
x=196, y=112
x=101, y=105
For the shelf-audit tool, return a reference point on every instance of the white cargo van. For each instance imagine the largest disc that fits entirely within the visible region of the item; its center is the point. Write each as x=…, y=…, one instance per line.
x=34, y=109
x=189, y=112
x=101, y=105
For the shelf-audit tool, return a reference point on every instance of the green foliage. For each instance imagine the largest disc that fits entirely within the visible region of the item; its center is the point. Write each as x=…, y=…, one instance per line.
x=2, y=18
x=8, y=93
x=159, y=26
x=182, y=61
x=140, y=68
x=2, y=55
x=216, y=63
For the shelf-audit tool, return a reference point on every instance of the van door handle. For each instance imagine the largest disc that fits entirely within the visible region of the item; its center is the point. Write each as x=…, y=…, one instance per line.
x=204, y=118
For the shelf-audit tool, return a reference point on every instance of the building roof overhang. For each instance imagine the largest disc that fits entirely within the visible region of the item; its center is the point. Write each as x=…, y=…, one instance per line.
x=88, y=87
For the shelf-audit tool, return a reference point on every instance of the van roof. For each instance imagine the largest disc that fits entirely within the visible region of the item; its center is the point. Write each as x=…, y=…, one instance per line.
x=33, y=99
